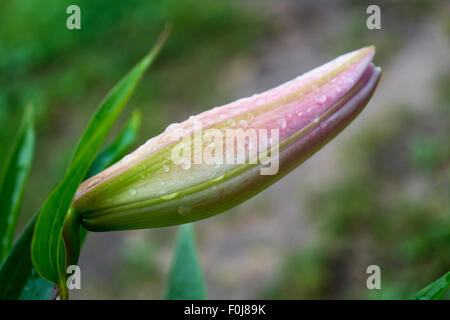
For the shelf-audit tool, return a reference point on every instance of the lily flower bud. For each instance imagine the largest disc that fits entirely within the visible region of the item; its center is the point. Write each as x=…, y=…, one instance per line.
x=220, y=158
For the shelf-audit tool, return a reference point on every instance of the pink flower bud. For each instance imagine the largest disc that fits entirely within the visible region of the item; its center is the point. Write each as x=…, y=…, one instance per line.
x=219, y=158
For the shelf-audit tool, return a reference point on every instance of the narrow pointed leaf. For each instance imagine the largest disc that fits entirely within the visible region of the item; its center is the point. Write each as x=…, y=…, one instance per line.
x=12, y=181
x=114, y=152
x=435, y=290
x=47, y=247
x=119, y=147
x=185, y=277
x=17, y=275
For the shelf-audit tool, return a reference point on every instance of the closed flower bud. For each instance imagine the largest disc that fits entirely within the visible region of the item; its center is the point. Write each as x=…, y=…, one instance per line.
x=219, y=158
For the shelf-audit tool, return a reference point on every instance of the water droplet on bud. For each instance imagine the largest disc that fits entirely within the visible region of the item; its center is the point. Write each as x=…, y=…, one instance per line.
x=282, y=123
x=230, y=122
x=171, y=126
x=184, y=210
x=260, y=101
x=185, y=164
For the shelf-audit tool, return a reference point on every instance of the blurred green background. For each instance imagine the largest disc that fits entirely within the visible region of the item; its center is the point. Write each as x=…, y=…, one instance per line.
x=378, y=194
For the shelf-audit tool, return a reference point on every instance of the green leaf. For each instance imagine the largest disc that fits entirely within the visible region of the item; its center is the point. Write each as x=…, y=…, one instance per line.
x=119, y=147
x=18, y=279
x=185, y=277
x=435, y=290
x=17, y=276
x=114, y=152
x=47, y=247
x=12, y=181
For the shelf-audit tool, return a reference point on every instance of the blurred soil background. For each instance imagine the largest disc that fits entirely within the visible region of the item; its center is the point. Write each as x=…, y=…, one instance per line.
x=377, y=194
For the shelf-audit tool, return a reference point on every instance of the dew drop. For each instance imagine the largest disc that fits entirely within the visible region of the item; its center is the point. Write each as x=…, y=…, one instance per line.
x=260, y=101
x=282, y=123
x=265, y=161
x=133, y=192
x=184, y=210
x=185, y=164
x=171, y=126
x=230, y=122
x=129, y=158
x=322, y=99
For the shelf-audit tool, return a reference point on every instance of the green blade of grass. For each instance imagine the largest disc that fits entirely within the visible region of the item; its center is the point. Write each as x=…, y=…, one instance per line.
x=12, y=181
x=47, y=246
x=18, y=277
x=435, y=290
x=185, y=277
x=119, y=147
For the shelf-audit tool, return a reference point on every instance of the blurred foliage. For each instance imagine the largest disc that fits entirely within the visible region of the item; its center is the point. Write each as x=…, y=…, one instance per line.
x=186, y=280
x=398, y=20
x=392, y=209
